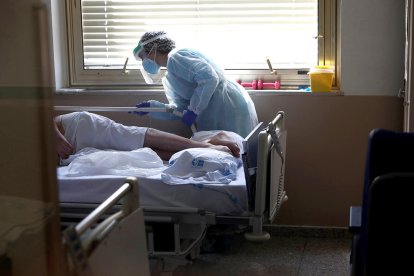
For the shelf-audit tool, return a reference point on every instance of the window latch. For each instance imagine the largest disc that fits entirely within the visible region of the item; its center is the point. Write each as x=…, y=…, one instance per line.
x=272, y=71
x=124, y=71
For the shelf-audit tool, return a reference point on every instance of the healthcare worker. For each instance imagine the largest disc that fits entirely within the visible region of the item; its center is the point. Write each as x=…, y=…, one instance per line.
x=195, y=86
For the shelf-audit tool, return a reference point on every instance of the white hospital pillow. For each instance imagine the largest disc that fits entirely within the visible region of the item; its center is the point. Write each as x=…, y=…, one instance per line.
x=139, y=162
x=201, y=166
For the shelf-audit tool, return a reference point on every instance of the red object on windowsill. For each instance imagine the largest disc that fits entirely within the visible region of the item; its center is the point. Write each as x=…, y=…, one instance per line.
x=260, y=85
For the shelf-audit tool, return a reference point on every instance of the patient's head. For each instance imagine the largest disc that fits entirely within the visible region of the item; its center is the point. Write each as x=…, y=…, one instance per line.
x=64, y=148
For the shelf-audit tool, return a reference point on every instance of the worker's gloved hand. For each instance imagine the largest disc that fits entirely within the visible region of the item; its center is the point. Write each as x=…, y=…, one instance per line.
x=154, y=103
x=188, y=117
x=141, y=104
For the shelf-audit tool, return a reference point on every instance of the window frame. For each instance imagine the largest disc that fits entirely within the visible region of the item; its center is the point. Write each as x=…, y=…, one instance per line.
x=291, y=79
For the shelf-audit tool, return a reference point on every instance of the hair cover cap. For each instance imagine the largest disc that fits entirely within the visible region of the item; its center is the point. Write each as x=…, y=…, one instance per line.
x=150, y=40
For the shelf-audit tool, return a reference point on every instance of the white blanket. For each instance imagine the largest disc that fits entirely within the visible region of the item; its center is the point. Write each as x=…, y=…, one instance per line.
x=196, y=165
x=139, y=162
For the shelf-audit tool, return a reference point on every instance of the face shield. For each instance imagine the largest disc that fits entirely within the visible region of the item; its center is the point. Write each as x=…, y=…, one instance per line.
x=149, y=69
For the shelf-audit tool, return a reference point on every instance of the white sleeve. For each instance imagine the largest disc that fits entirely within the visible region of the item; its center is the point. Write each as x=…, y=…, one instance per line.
x=84, y=129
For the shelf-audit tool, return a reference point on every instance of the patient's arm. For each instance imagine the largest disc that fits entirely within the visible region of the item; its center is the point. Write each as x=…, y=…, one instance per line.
x=166, y=144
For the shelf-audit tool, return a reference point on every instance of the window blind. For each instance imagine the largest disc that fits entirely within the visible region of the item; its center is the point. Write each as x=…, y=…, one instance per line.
x=237, y=34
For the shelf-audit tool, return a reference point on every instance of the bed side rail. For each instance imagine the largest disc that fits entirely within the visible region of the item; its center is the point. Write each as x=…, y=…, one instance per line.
x=249, y=158
x=270, y=193
x=269, y=186
x=91, y=241
x=167, y=109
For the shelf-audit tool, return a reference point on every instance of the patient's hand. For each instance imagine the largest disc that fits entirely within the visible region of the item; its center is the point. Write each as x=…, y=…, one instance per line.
x=222, y=139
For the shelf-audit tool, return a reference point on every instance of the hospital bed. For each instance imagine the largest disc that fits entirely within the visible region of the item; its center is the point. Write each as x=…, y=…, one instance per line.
x=178, y=217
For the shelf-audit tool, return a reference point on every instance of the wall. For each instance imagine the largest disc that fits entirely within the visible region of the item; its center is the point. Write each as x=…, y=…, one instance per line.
x=326, y=147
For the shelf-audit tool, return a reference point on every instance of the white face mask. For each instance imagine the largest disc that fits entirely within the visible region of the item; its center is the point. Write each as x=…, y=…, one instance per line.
x=151, y=66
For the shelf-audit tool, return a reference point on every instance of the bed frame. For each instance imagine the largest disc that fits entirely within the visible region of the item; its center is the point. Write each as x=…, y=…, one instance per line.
x=94, y=248
x=175, y=233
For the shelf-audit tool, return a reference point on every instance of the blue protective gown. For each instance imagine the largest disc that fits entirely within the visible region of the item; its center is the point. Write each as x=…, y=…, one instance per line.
x=196, y=83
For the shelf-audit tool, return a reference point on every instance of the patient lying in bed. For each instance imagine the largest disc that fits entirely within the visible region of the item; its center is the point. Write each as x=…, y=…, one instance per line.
x=90, y=179
x=78, y=130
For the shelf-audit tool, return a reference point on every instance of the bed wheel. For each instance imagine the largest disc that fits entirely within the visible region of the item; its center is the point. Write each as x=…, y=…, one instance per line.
x=262, y=237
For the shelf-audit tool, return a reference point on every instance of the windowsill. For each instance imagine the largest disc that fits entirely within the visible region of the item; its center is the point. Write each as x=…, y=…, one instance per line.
x=98, y=91
x=294, y=92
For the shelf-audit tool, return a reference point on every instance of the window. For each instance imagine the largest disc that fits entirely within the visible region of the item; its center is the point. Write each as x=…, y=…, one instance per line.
x=238, y=34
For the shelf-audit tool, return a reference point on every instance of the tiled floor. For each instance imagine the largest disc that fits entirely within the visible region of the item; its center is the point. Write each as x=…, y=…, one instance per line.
x=288, y=252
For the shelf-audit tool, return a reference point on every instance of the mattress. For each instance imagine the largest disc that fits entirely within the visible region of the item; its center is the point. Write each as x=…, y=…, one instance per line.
x=222, y=199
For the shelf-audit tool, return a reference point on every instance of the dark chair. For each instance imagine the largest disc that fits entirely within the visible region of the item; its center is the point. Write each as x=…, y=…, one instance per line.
x=381, y=226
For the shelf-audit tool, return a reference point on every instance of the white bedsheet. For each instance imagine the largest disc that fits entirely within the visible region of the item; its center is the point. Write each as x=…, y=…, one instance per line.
x=222, y=199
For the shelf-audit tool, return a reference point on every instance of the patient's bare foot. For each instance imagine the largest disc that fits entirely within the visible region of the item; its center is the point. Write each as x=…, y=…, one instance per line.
x=225, y=149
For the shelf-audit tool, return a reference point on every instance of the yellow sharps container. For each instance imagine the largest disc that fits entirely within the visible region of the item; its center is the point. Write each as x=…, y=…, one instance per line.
x=321, y=78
